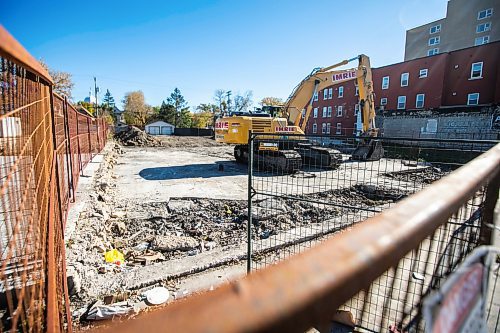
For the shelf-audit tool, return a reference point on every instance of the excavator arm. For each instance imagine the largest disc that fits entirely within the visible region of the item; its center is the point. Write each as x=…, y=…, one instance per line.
x=320, y=78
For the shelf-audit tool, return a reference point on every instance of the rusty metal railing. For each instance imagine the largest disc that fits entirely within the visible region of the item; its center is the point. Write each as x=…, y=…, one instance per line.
x=306, y=290
x=41, y=156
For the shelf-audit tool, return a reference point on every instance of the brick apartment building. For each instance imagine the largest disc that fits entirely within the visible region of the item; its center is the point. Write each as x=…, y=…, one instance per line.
x=468, y=77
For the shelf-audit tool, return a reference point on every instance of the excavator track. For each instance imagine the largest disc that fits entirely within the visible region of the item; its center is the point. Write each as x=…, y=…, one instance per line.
x=281, y=161
x=319, y=157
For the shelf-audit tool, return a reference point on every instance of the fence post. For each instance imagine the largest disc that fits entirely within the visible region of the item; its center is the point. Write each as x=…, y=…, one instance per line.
x=68, y=150
x=249, y=226
x=90, y=138
x=487, y=223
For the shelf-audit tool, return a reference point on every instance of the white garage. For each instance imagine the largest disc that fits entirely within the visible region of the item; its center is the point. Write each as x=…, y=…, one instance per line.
x=160, y=128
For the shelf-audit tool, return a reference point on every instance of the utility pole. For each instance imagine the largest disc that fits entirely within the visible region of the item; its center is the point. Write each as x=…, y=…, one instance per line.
x=96, y=89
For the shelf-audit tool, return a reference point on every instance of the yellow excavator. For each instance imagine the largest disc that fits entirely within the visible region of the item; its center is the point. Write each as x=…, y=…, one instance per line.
x=285, y=147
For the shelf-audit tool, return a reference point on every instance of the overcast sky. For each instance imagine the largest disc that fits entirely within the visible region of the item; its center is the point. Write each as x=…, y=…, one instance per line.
x=200, y=46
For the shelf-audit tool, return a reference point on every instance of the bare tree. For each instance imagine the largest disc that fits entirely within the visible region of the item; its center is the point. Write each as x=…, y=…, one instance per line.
x=243, y=102
x=63, y=82
x=136, y=111
x=220, y=99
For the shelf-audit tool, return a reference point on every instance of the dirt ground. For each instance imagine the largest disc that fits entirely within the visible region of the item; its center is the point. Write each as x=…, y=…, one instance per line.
x=178, y=213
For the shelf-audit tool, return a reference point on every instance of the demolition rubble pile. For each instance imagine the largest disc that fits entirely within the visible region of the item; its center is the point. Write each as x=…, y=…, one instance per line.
x=134, y=136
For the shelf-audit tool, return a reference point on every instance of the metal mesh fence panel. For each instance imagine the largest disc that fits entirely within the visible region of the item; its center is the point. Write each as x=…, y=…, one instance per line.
x=296, y=199
x=44, y=145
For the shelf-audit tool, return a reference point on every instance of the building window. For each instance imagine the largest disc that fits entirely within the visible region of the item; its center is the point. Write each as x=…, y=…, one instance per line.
x=341, y=91
x=323, y=128
x=315, y=128
x=328, y=128
x=315, y=96
x=404, y=79
x=329, y=111
x=484, y=13
x=383, y=101
x=419, y=102
x=385, y=82
x=423, y=73
x=473, y=99
x=434, y=40
x=315, y=113
x=325, y=94
x=324, y=111
x=303, y=113
x=433, y=51
x=356, y=93
x=481, y=40
x=483, y=27
x=330, y=93
x=401, y=102
x=476, y=70
x=356, y=109
x=435, y=28
x=339, y=128
x=340, y=109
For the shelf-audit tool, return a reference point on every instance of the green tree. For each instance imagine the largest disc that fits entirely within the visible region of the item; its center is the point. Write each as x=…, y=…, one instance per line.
x=90, y=107
x=182, y=116
x=136, y=111
x=108, y=100
x=167, y=113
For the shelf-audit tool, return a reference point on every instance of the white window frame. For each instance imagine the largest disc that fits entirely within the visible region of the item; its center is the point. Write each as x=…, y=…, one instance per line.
x=315, y=113
x=323, y=128
x=401, y=100
x=328, y=128
x=433, y=51
x=324, y=112
x=315, y=96
x=330, y=93
x=325, y=94
x=315, y=128
x=481, y=40
x=423, y=73
x=329, y=112
x=341, y=91
x=385, y=84
x=487, y=13
x=383, y=101
x=417, y=101
x=469, y=99
x=483, y=27
x=338, y=128
x=437, y=28
x=356, y=92
x=407, y=75
x=434, y=40
x=340, y=111
x=472, y=76
x=356, y=109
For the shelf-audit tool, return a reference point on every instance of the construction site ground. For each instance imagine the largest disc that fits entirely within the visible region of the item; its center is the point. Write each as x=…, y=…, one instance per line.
x=178, y=213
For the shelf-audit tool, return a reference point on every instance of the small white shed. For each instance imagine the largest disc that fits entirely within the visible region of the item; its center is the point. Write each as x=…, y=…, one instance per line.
x=160, y=128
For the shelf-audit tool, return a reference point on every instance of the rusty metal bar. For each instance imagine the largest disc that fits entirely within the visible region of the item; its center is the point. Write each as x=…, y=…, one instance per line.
x=305, y=291
x=12, y=50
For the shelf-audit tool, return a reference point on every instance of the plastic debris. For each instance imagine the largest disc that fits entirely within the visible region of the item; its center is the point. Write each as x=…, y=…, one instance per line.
x=99, y=311
x=115, y=257
x=155, y=296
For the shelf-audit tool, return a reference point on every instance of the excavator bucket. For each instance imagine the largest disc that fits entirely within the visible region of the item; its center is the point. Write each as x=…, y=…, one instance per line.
x=368, y=151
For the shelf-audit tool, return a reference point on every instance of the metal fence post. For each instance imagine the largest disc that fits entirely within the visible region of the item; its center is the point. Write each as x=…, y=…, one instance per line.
x=487, y=223
x=249, y=226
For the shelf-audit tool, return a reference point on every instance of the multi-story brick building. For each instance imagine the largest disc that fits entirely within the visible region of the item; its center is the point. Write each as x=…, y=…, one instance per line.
x=464, y=78
x=467, y=23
